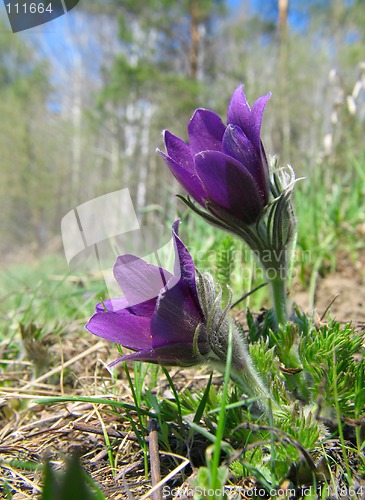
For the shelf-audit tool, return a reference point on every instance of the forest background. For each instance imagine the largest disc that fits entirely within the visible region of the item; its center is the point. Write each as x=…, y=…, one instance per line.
x=83, y=99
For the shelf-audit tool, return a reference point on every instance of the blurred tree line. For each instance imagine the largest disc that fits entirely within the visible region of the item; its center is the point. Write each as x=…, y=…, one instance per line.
x=79, y=127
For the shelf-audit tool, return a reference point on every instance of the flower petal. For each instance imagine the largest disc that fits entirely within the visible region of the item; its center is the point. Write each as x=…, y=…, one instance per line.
x=187, y=178
x=184, y=264
x=229, y=185
x=118, y=304
x=176, y=317
x=206, y=131
x=257, y=111
x=239, y=111
x=237, y=145
x=140, y=281
x=178, y=150
x=172, y=355
x=123, y=328
x=178, y=312
x=240, y=114
x=113, y=305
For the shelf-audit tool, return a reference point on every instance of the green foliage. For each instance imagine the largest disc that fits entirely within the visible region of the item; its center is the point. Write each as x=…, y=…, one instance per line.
x=269, y=448
x=329, y=208
x=205, y=488
x=333, y=355
x=225, y=262
x=46, y=291
x=265, y=356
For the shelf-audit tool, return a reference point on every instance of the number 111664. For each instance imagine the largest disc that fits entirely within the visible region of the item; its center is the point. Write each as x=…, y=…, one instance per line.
x=29, y=8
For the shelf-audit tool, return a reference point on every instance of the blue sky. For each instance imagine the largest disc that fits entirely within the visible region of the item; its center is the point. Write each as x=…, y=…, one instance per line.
x=58, y=25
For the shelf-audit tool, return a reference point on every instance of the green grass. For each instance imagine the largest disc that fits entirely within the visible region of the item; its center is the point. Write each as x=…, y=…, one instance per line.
x=47, y=291
x=44, y=302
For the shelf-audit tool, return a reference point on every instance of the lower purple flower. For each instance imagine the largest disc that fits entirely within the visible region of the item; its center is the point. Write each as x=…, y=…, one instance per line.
x=174, y=319
x=160, y=316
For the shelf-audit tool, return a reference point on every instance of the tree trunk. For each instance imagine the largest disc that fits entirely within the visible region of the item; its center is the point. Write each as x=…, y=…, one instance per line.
x=194, y=35
x=283, y=7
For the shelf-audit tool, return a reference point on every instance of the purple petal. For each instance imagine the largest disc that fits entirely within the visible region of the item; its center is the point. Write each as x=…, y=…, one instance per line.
x=178, y=150
x=257, y=111
x=144, y=308
x=117, y=304
x=229, y=185
x=113, y=305
x=237, y=145
x=206, y=131
x=139, y=280
x=187, y=178
x=240, y=114
x=178, y=312
x=184, y=265
x=239, y=111
x=176, y=316
x=123, y=328
x=172, y=355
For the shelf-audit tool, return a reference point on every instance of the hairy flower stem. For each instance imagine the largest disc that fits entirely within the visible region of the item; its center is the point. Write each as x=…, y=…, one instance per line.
x=278, y=289
x=249, y=380
x=289, y=355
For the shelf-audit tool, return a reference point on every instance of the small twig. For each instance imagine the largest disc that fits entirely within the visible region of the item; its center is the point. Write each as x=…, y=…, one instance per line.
x=154, y=459
x=333, y=424
x=329, y=305
x=247, y=295
x=169, y=476
x=60, y=429
x=45, y=421
x=100, y=456
x=79, y=426
x=125, y=483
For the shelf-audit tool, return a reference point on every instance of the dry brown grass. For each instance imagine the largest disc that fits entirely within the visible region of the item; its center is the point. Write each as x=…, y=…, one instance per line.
x=32, y=432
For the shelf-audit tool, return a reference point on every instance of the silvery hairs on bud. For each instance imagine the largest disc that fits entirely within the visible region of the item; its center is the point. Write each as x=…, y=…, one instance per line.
x=218, y=324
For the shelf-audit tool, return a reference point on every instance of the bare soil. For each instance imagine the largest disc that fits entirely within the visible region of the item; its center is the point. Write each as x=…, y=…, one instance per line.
x=342, y=294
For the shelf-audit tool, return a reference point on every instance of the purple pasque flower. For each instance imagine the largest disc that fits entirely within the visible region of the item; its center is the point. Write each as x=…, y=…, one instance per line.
x=160, y=316
x=173, y=319
x=223, y=166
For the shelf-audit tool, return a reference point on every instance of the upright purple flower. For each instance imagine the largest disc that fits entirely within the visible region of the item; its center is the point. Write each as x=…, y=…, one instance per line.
x=224, y=168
